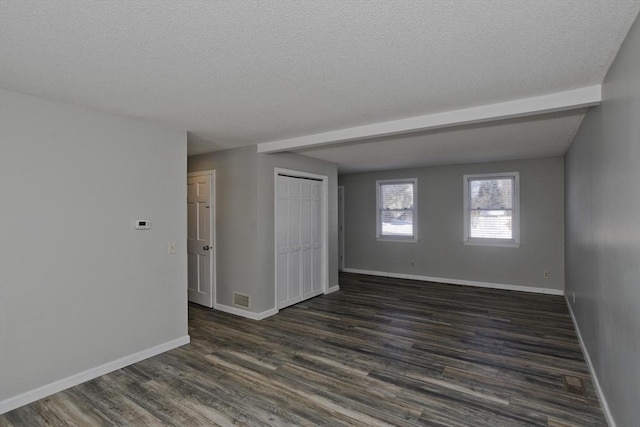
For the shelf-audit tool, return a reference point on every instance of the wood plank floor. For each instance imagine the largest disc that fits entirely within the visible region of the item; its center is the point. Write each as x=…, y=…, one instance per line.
x=378, y=352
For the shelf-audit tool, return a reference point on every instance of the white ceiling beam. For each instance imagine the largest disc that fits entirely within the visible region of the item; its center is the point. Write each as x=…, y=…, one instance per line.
x=559, y=101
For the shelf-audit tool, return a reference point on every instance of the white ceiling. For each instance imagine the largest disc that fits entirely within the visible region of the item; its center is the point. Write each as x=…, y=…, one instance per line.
x=236, y=73
x=531, y=137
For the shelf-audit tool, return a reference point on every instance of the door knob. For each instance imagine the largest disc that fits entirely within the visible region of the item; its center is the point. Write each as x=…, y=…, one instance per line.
x=206, y=247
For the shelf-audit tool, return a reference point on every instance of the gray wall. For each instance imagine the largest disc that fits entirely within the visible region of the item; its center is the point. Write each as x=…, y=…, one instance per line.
x=78, y=286
x=266, y=212
x=439, y=251
x=603, y=232
x=245, y=220
x=236, y=220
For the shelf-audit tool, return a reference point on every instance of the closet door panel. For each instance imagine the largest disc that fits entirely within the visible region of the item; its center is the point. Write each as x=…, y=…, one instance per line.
x=299, y=241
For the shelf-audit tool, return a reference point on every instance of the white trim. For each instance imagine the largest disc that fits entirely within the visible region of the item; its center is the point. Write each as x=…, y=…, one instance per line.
x=558, y=101
x=491, y=242
x=333, y=289
x=325, y=233
x=212, y=229
x=603, y=401
x=201, y=173
x=395, y=239
x=325, y=226
x=414, y=220
x=515, y=212
x=297, y=173
x=531, y=289
x=65, y=383
x=246, y=313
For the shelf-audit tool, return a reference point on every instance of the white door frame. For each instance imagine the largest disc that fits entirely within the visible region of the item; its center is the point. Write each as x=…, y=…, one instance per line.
x=325, y=226
x=212, y=229
x=341, y=256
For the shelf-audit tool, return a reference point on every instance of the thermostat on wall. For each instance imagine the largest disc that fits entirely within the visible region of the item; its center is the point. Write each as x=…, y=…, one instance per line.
x=142, y=224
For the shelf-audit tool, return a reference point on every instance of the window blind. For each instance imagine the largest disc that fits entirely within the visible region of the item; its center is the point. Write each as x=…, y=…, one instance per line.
x=491, y=203
x=396, y=209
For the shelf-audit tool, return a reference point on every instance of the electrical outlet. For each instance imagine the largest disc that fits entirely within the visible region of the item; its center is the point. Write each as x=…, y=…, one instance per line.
x=545, y=274
x=413, y=264
x=171, y=247
x=573, y=297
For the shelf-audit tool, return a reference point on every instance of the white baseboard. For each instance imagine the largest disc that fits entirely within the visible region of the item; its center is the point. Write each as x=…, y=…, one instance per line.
x=63, y=384
x=264, y=314
x=603, y=400
x=246, y=313
x=457, y=282
x=332, y=289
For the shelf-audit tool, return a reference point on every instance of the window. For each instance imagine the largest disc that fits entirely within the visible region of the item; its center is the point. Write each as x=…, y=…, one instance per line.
x=491, y=209
x=397, y=212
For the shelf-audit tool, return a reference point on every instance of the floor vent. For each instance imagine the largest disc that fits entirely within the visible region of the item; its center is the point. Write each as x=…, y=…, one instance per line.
x=241, y=300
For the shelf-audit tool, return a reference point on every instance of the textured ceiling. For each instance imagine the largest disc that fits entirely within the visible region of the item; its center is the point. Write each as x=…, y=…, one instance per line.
x=235, y=73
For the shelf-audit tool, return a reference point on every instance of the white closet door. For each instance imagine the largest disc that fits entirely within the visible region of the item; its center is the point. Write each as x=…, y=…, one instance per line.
x=306, y=223
x=282, y=241
x=298, y=239
x=295, y=246
x=316, y=238
x=288, y=246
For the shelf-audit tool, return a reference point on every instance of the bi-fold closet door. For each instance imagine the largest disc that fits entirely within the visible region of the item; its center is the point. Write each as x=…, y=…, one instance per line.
x=299, y=239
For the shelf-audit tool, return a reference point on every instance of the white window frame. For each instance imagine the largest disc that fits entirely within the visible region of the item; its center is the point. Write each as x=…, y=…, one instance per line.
x=514, y=242
x=379, y=235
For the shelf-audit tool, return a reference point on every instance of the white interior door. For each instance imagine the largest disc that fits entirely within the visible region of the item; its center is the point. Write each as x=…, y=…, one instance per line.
x=200, y=244
x=315, y=245
x=299, y=239
x=282, y=241
x=289, y=246
x=306, y=224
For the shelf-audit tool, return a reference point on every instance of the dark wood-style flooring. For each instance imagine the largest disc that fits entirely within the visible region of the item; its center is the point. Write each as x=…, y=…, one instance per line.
x=378, y=352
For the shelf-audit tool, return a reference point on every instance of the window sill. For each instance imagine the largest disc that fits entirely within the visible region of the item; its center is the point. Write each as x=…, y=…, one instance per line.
x=492, y=243
x=397, y=239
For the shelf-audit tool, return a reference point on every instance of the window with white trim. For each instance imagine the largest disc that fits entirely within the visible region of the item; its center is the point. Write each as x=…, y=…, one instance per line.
x=492, y=209
x=397, y=212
